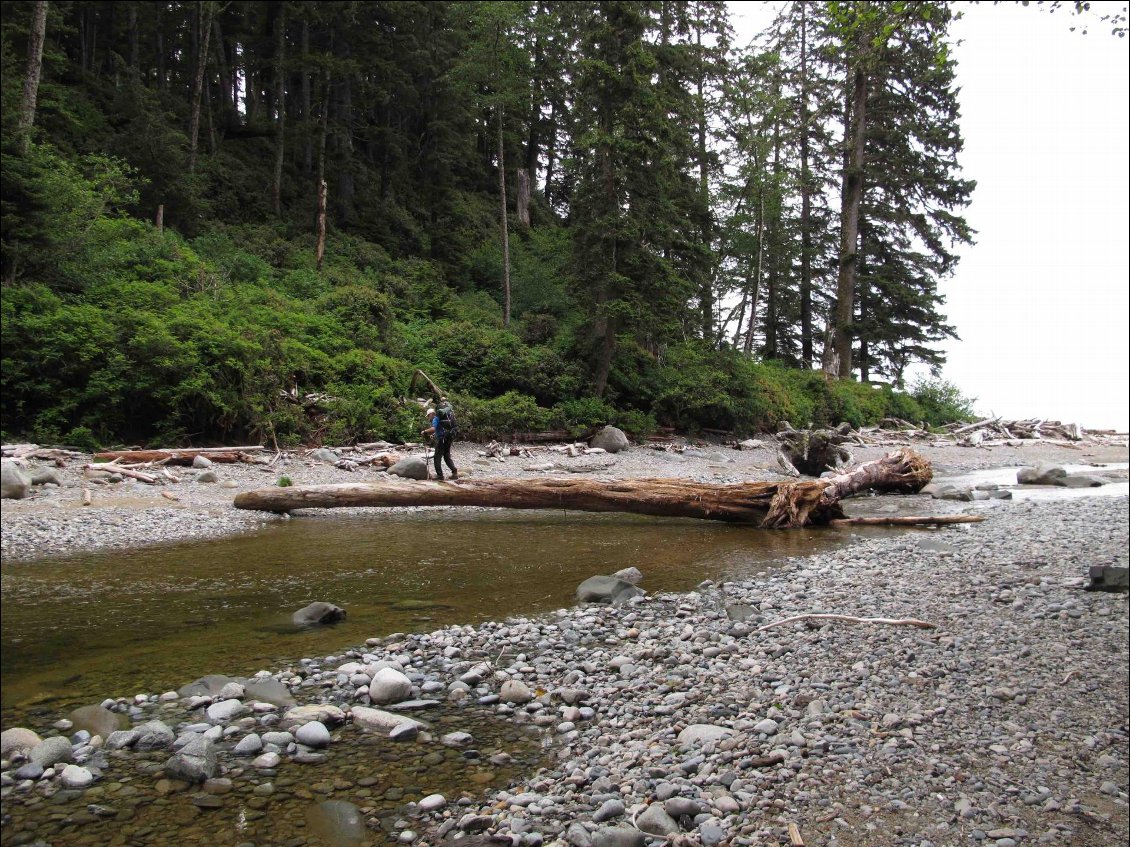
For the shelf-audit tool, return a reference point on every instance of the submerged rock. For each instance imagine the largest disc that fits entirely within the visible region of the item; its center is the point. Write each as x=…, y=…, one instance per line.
x=317, y=613
x=606, y=589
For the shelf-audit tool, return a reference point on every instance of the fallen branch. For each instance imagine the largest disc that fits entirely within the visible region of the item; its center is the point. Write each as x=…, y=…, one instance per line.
x=168, y=495
x=851, y=619
x=794, y=835
x=86, y=497
x=124, y=471
x=907, y=520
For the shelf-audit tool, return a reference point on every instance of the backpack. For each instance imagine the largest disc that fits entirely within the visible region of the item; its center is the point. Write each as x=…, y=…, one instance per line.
x=447, y=424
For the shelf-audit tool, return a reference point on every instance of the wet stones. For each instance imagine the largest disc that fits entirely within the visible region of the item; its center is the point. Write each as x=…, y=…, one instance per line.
x=389, y=686
x=195, y=762
x=313, y=734
x=319, y=613
x=17, y=740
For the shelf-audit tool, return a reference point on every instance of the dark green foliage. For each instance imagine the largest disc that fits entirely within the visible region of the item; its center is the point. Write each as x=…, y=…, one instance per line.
x=941, y=402
x=224, y=326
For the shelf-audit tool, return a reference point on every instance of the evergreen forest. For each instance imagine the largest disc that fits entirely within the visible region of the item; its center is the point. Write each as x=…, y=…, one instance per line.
x=255, y=219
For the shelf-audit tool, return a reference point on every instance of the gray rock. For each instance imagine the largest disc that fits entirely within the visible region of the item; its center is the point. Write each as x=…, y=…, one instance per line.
x=741, y=612
x=325, y=713
x=703, y=733
x=121, y=739
x=51, y=751
x=201, y=462
x=1043, y=474
x=411, y=467
x=711, y=834
x=269, y=691
x=17, y=740
x=1080, y=480
x=606, y=589
x=266, y=761
x=608, y=809
x=206, y=686
x=208, y=476
x=655, y=821
x=379, y=720
x=76, y=777
x=456, y=739
x=618, y=836
x=324, y=454
x=515, y=691
x=313, y=734
x=767, y=726
x=337, y=822
x=389, y=686
x=30, y=771
x=195, y=762
x=750, y=444
x=678, y=807
x=405, y=731
x=577, y=836
x=610, y=440
x=432, y=803
x=44, y=476
x=318, y=612
x=96, y=720
x=14, y=483
x=631, y=575
x=1108, y=578
x=154, y=735
x=249, y=745
x=225, y=711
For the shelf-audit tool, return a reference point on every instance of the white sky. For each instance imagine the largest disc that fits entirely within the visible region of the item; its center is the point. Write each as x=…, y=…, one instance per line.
x=1040, y=302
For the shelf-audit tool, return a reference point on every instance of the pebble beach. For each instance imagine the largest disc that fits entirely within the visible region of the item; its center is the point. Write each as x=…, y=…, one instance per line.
x=1002, y=718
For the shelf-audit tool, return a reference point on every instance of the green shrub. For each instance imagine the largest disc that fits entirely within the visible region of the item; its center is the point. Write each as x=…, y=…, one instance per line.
x=499, y=417
x=285, y=481
x=942, y=402
x=81, y=438
x=582, y=414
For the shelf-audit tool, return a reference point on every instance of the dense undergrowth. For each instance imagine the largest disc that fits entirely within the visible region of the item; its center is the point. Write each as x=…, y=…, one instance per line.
x=140, y=336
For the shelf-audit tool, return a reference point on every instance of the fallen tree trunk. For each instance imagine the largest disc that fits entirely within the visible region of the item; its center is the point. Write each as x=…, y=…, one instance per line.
x=179, y=457
x=769, y=504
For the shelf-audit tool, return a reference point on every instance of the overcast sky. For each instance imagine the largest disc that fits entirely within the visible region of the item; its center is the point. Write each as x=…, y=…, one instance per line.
x=1040, y=302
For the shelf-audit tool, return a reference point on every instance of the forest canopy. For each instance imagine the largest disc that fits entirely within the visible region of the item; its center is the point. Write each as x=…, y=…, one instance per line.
x=566, y=213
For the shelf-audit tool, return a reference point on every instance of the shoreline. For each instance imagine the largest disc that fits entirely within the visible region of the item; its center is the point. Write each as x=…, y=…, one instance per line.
x=52, y=522
x=1006, y=724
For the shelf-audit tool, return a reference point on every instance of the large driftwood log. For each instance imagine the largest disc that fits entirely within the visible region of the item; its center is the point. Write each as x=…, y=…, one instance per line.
x=769, y=504
x=227, y=455
x=813, y=451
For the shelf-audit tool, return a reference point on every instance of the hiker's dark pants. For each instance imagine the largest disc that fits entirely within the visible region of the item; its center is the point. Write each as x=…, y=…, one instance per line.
x=443, y=451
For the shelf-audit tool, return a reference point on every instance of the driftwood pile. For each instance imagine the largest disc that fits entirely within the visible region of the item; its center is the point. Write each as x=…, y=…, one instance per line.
x=990, y=432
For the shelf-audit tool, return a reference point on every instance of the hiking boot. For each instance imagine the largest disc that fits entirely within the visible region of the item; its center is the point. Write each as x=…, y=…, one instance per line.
x=455, y=474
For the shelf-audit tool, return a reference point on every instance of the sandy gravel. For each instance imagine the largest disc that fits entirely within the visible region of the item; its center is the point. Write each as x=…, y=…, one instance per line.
x=53, y=521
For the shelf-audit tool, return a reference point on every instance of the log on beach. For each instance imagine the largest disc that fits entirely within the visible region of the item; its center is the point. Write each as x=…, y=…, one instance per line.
x=229, y=455
x=768, y=504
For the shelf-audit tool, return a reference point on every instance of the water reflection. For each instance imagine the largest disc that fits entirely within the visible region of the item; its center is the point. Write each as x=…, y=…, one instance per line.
x=118, y=623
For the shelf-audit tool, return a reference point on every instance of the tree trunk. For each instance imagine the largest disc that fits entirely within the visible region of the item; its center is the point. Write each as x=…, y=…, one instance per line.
x=308, y=153
x=849, y=240
x=321, y=248
x=706, y=284
x=280, y=106
x=205, y=18
x=503, y=224
x=524, y=198
x=805, y=202
x=134, y=41
x=767, y=504
x=31, y=74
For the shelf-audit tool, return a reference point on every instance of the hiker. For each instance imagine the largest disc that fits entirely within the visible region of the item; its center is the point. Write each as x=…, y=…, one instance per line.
x=443, y=428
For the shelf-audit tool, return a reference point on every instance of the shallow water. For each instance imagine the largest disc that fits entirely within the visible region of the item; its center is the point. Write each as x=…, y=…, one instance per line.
x=78, y=629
